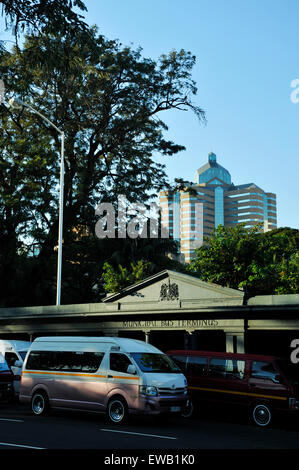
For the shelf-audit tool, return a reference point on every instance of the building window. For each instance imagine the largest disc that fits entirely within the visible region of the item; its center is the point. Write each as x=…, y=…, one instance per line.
x=219, y=213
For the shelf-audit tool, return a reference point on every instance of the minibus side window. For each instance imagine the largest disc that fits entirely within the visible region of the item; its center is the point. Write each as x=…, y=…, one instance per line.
x=263, y=370
x=68, y=361
x=180, y=361
x=217, y=368
x=226, y=368
x=196, y=365
x=91, y=361
x=235, y=369
x=38, y=360
x=119, y=362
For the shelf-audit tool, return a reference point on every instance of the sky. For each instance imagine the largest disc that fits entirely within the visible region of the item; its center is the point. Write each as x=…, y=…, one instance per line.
x=247, y=57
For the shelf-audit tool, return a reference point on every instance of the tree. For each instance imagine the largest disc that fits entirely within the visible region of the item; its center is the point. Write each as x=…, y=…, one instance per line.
x=108, y=99
x=289, y=275
x=116, y=280
x=47, y=15
x=274, y=268
x=259, y=263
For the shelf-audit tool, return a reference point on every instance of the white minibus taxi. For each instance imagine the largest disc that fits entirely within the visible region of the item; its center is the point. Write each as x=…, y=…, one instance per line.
x=14, y=352
x=116, y=376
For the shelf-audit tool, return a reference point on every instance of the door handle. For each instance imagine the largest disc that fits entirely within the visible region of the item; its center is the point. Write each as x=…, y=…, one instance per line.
x=110, y=376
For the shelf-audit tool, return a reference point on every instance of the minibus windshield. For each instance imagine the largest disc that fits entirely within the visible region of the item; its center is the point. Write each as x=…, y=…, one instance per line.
x=151, y=362
x=3, y=364
x=290, y=370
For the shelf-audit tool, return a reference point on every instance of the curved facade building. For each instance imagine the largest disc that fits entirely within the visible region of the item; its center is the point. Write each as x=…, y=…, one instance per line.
x=214, y=200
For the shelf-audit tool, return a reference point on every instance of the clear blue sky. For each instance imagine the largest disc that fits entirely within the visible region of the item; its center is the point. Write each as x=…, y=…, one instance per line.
x=247, y=55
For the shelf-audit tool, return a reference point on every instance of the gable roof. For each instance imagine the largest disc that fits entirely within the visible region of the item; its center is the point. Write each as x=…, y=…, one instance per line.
x=174, y=286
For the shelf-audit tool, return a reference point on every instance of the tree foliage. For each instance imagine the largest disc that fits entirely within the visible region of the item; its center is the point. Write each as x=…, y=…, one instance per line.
x=117, y=279
x=108, y=100
x=259, y=263
x=49, y=16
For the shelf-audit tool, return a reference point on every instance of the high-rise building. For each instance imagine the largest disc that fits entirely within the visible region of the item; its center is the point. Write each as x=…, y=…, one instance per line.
x=214, y=200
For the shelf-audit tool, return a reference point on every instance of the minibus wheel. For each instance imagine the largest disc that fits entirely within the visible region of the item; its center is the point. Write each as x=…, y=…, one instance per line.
x=188, y=410
x=117, y=410
x=261, y=414
x=39, y=403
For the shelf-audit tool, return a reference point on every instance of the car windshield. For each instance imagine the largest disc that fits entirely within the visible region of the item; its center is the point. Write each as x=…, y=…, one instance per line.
x=151, y=362
x=3, y=364
x=290, y=370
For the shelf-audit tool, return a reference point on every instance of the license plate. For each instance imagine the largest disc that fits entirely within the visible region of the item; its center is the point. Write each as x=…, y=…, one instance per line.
x=175, y=408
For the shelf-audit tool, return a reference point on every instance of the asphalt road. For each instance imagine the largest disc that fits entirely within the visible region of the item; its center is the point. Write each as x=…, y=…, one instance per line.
x=19, y=429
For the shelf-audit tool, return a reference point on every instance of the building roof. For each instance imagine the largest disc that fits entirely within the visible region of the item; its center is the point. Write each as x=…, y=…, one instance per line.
x=187, y=287
x=213, y=171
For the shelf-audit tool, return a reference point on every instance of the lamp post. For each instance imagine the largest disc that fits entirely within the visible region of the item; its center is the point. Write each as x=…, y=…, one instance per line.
x=14, y=102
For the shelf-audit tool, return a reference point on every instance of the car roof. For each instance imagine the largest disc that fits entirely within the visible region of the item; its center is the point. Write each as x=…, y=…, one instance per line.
x=127, y=344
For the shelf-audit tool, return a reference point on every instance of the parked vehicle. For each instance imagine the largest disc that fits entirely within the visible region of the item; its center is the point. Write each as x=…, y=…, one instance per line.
x=6, y=380
x=14, y=352
x=116, y=376
x=266, y=385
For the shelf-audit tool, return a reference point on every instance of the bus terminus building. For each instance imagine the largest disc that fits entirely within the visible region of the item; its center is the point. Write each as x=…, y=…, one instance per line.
x=170, y=310
x=214, y=200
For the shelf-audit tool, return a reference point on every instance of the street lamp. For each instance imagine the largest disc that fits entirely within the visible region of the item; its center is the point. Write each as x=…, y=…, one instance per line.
x=14, y=102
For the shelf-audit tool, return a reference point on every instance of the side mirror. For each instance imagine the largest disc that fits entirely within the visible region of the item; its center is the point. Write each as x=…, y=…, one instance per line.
x=18, y=364
x=131, y=369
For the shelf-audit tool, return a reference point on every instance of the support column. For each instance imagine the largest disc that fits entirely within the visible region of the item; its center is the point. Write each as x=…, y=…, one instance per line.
x=240, y=343
x=147, y=336
x=190, y=340
x=235, y=342
x=193, y=341
x=187, y=340
x=229, y=342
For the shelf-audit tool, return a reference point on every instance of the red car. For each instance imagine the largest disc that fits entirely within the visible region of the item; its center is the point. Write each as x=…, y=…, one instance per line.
x=265, y=385
x=6, y=380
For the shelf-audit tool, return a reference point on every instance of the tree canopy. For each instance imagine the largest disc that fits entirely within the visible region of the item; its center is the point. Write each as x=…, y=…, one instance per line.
x=260, y=263
x=109, y=101
x=49, y=16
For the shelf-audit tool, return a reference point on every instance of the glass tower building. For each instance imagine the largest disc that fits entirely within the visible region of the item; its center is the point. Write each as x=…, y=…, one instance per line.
x=214, y=200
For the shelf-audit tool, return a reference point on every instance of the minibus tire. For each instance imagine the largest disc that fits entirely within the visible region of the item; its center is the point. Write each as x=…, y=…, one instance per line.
x=188, y=410
x=39, y=403
x=117, y=410
x=261, y=414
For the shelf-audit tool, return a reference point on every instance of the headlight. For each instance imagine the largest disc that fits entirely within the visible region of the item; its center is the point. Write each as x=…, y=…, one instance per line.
x=150, y=391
